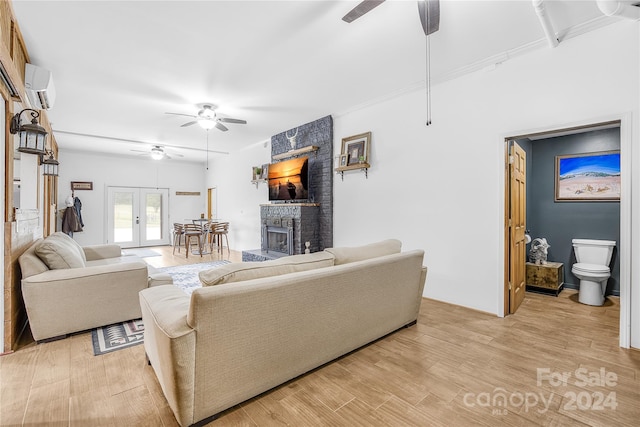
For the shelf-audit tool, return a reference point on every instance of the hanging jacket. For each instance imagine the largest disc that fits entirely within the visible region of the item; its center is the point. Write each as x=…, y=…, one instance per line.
x=77, y=204
x=70, y=221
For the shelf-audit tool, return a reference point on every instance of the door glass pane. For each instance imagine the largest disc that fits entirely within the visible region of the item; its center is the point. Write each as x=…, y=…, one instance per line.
x=122, y=217
x=153, y=214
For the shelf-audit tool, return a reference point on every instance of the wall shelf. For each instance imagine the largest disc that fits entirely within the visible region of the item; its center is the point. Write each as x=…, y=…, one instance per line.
x=296, y=152
x=257, y=181
x=358, y=166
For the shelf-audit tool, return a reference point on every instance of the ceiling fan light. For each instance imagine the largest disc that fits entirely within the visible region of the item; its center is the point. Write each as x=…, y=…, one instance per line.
x=206, y=123
x=157, y=153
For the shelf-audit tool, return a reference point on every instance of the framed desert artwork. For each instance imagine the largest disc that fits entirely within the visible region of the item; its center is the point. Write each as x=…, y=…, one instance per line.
x=588, y=177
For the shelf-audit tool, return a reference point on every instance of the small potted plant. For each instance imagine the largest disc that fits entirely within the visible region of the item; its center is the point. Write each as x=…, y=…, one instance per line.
x=257, y=173
x=361, y=159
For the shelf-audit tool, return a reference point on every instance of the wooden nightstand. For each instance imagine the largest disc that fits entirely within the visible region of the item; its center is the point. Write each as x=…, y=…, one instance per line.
x=548, y=278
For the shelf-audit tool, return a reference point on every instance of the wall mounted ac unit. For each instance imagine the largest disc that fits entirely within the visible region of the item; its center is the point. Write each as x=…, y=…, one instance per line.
x=39, y=87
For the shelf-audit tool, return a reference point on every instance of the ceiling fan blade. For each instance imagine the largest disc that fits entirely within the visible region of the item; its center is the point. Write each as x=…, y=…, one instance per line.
x=429, y=11
x=230, y=120
x=222, y=127
x=180, y=114
x=189, y=124
x=361, y=9
x=141, y=151
x=174, y=153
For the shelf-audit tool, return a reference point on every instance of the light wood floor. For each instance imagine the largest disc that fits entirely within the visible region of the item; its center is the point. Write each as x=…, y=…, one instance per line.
x=451, y=369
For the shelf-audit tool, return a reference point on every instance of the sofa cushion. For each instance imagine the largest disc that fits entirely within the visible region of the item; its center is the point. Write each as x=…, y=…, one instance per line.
x=359, y=253
x=60, y=251
x=237, y=272
x=30, y=263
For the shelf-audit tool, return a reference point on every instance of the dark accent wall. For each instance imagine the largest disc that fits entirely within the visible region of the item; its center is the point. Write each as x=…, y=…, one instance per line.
x=560, y=222
x=319, y=133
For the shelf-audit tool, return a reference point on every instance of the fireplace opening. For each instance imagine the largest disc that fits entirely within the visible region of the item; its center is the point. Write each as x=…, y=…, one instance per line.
x=277, y=242
x=278, y=239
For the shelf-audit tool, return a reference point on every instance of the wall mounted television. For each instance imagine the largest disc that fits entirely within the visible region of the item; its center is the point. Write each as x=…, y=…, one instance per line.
x=289, y=180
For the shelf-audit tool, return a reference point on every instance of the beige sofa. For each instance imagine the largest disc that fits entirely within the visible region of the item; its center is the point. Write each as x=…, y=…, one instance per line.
x=67, y=288
x=260, y=327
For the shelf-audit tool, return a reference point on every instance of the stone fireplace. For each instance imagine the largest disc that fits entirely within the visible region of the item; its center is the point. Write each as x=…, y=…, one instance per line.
x=312, y=221
x=286, y=227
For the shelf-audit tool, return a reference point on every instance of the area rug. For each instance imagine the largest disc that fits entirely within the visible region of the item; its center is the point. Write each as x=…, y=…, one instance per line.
x=126, y=334
x=186, y=276
x=141, y=252
x=117, y=336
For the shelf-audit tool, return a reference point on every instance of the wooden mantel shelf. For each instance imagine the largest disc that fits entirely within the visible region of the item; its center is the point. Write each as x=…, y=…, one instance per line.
x=290, y=204
x=291, y=153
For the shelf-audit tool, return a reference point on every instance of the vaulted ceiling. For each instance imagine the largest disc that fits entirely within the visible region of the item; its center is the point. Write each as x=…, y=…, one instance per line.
x=119, y=66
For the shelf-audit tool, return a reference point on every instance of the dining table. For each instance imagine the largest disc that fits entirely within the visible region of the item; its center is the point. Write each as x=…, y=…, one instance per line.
x=205, y=235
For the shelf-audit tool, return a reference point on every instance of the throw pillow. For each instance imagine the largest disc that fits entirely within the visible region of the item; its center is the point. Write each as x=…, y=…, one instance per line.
x=237, y=272
x=346, y=255
x=59, y=251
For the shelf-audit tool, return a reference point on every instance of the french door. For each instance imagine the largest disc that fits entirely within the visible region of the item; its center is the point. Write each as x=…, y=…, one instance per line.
x=138, y=216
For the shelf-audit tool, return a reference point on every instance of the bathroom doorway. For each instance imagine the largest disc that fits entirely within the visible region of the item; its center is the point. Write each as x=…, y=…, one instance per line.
x=561, y=221
x=516, y=215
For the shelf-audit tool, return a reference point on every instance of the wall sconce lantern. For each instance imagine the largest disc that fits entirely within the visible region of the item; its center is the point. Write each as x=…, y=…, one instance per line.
x=32, y=135
x=50, y=165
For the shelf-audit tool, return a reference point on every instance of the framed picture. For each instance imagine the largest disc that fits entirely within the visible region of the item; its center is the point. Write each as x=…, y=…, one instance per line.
x=265, y=171
x=81, y=185
x=357, y=148
x=588, y=177
x=344, y=160
x=257, y=173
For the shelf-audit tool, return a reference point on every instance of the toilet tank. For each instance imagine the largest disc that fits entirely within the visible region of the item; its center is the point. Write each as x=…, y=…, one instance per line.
x=593, y=251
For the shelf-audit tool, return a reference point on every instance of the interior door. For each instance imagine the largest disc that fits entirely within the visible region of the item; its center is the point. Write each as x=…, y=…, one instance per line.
x=517, y=225
x=212, y=203
x=138, y=216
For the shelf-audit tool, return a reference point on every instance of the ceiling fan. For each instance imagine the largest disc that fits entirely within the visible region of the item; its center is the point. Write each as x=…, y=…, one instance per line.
x=429, y=11
x=157, y=152
x=208, y=119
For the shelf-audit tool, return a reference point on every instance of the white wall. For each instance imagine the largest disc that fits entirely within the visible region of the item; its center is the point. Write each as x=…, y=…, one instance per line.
x=238, y=199
x=441, y=187
x=105, y=171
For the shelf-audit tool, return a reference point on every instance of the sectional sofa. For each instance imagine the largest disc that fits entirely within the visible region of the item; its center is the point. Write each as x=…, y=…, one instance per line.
x=254, y=326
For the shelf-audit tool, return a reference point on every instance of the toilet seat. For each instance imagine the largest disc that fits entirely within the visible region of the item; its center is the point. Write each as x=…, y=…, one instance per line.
x=590, y=268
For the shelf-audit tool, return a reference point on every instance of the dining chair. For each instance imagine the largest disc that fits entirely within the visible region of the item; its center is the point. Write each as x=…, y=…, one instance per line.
x=218, y=231
x=210, y=236
x=178, y=233
x=192, y=231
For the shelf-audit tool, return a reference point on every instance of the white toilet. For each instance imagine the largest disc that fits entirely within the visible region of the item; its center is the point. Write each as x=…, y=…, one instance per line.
x=592, y=268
